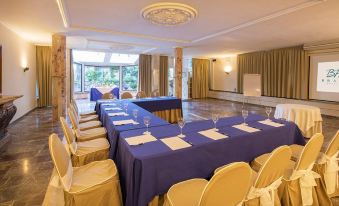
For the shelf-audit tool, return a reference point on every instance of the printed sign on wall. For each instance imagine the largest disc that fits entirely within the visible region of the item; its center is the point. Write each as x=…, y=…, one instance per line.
x=328, y=77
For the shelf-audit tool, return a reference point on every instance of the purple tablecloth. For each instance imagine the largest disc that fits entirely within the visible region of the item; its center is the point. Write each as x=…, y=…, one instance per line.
x=95, y=94
x=152, y=168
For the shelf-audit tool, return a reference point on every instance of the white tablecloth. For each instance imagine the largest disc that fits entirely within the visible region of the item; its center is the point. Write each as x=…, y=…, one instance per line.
x=308, y=118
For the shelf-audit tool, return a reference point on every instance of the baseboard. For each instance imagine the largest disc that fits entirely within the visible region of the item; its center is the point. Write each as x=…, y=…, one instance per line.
x=20, y=118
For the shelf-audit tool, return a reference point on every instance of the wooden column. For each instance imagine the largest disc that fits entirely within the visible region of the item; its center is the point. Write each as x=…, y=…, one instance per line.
x=58, y=76
x=178, y=72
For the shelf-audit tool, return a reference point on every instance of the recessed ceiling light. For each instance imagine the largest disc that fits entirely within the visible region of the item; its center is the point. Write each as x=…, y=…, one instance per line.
x=169, y=14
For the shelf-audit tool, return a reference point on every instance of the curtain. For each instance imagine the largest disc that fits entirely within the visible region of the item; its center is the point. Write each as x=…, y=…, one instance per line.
x=44, y=77
x=145, y=73
x=163, y=81
x=284, y=72
x=200, y=70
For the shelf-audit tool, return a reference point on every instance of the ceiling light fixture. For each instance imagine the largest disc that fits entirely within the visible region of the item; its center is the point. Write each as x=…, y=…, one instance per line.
x=169, y=14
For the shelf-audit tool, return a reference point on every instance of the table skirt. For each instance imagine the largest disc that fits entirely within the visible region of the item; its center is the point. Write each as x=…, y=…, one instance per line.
x=171, y=115
x=317, y=128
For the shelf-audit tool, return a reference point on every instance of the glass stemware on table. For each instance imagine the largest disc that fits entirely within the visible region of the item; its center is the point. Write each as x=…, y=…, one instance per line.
x=268, y=111
x=215, y=118
x=126, y=107
x=147, y=122
x=135, y=114
x=244, y=114
x=181, y=124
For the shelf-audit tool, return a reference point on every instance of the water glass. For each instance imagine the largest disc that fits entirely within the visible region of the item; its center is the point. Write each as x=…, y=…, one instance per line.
x=268, y=112
x=147, y=122
x=215, y=118
x=244, y=113
x=181, y=124
x=135, y=114
x=126, y=107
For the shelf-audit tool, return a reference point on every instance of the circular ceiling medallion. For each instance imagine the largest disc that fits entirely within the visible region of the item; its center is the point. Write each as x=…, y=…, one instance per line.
x=169, y=14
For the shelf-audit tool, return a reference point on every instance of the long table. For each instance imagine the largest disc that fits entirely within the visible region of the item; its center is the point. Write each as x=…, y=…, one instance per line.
x=151, y=169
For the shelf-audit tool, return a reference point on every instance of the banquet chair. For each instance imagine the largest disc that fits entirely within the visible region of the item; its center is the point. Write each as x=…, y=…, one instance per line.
x=87, y=151
x=89, y=134
x=82, y=126
x=83, y=119
x=126, y=95
x=107, y=95
x=96, y=183
x=81, y=114
x=227, y=187
x=141, y=94
x=155, y=93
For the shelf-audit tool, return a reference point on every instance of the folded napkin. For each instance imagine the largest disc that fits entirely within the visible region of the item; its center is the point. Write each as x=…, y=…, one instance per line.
x=113, y=108
x=140, y=139
x=124, y=122
x=148, y=98
x=163, y=97
x=271, y=123
x=109, y=104
x=117, y=114
x=175, y=143
x=246, y=128
x=212, y=134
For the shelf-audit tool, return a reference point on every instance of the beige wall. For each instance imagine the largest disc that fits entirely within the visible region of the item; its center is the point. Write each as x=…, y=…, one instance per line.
x=16, y=54
x=220, y=80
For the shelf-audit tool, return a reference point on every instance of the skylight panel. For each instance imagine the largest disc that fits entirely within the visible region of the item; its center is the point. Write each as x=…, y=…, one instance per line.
x=124, y=58
x=88, y=56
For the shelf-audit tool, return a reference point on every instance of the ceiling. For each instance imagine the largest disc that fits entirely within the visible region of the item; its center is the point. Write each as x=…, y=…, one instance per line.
x=222, y=28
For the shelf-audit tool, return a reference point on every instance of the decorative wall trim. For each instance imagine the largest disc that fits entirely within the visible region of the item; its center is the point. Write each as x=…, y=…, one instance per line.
x=63, y=12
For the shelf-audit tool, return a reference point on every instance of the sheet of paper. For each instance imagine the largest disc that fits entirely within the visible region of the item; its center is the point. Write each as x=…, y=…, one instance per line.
x=117, y=114
x=246, y=128
x=108, y=104
x=210, y=133
x=113, y=108
x=271, y=123
x=140, y=139
x=175, y=143
x=124, y=122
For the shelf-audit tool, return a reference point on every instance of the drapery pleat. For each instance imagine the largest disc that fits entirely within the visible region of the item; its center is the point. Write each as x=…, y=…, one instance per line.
x=163, y=81
x=44, y=78
x=284, y=72
x=145, y=73
x=200, y=69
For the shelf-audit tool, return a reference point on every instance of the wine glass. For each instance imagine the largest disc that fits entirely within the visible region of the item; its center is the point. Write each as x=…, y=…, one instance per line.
x=147, y=122
x=181, y=124
x=268, y=112
x=135, y=114
x=244, y=113
x=215, y=118
x=126, y=107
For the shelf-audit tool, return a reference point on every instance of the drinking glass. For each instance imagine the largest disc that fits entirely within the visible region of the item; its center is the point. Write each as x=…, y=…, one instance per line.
x=126, y=107
x=244, y=115
x=215, y=118
x=181, y=124
x=147, y=122
x=268, y=112
x=135, y=114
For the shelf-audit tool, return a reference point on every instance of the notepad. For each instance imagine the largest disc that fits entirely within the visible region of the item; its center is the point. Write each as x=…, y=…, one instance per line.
x=175, y=143
x=117, y=114
x=140, y=139
x=246, y=128
x=271, y=123
x=124, y=122
x=112, y=108
x=212, y=134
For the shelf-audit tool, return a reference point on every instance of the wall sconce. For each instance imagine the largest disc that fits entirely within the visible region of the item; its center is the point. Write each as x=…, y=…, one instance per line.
x=228, y=69
x=26, y=69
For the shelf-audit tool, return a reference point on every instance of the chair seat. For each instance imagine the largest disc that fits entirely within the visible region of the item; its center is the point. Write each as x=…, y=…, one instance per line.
x=86, y=135
x=87, y=113
x=93, y=174
x=88, y=118
x=296, y=151
x=187, y=193
x=90, y=146
x=258, y=162
x=89, y=125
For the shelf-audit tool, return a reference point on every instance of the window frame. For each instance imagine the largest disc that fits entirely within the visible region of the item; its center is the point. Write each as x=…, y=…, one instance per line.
x=81, y=78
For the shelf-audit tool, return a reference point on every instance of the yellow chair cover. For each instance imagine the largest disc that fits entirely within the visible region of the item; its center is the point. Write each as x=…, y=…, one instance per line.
x=227, y=187
x=107, y=95
x=83, y=126
x=126, y=95
x=76, y=109
x=83, y=119
x=90, y=134
x=96, y=183
x=171, y=116
x=141, y=94
x=264, y=191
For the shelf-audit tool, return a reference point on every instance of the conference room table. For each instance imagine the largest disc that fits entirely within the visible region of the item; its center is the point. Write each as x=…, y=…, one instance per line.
x=97, y=92
x=150, y=169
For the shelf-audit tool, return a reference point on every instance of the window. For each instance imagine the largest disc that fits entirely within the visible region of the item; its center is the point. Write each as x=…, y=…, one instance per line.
x=124, y=58
x=77, y=76
x=101, y=76
x=88, y=56
x=130, y=78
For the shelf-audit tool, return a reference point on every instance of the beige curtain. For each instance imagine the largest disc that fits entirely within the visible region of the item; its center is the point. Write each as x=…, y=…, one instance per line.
x=163, y=81
x=145, y=73
x=200, y=70
x=44, y=78
x=284, y=72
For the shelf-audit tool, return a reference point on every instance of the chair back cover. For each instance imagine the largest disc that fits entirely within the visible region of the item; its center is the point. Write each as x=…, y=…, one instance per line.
x=75, y=106
x=141, y=94
x=61, y=160
x=69, y=135
x=310, y=152
x=228, y=186
x=107, y=95
x=72, y=117
x=155, y=93
x=274, y=167
x=333, y=147
x=126, y=95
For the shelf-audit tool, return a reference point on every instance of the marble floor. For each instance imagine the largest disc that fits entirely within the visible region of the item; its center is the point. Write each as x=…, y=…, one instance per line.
x=25, y=164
